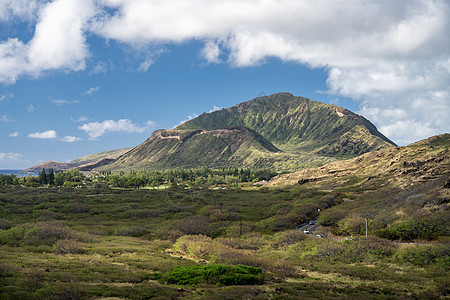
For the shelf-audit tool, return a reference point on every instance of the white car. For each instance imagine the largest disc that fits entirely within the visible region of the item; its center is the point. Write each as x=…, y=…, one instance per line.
x=306, y=231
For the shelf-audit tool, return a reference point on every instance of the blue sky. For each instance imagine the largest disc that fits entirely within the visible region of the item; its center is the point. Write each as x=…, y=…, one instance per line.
x=83, y=76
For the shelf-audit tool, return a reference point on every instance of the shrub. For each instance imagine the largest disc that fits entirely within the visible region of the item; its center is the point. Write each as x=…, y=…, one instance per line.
x=354, y=251
x=214, y=274
x=43, y=233
x=425, y=255
x=12, y=236
x=46, y=233
x=5, y=224
x=68, y=246
x=193, y=225
x=289, y=237
x=428, y=227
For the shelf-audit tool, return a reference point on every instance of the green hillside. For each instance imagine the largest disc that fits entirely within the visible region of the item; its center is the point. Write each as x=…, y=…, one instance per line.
x=403, y=191
x=297, y=124
x=225, y=147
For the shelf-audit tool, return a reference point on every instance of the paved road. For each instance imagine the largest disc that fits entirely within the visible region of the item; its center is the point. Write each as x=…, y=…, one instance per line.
x=307, y=226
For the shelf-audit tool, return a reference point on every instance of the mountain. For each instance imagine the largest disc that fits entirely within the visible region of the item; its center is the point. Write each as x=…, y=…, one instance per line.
x=279, y=131
x=87, y=160
x=403, y=193
x=297, y=124
x=224, y=147
x=399, y=167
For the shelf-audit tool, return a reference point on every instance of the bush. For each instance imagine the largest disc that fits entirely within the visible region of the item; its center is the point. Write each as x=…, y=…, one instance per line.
x=353, y=251
x=429, y=228
x=425, y=255
x=43, y=233
x=289, y=237
x=214, y=274
x=68, y=246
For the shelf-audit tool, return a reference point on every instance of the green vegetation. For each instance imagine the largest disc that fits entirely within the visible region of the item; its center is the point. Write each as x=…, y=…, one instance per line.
x=206, y=234
x=222, y=148
x=298, y=124
x=214, y=274
x=136, y=179
x=97, y=242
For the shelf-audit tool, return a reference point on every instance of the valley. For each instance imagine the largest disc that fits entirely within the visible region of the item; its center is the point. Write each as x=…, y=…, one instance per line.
x=94, y=240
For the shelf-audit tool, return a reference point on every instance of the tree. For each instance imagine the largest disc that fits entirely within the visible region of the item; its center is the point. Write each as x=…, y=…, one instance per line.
x=51, y=177
x=43, y=177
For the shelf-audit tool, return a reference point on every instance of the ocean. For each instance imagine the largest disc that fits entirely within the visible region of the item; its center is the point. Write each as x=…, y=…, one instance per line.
x=17, y=173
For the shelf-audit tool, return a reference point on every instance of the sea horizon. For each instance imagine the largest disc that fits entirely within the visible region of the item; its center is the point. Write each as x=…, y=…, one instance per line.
x=17, y=172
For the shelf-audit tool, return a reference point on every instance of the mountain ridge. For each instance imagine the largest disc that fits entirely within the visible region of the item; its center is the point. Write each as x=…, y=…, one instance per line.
x=295, y=124
x=224, y=147
x=79, y=162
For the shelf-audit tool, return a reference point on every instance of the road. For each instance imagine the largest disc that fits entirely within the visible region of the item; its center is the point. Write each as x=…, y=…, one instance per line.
x=307, y=226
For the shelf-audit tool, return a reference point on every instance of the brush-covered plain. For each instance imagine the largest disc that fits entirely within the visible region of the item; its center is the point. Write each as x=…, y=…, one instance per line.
x=65, y=243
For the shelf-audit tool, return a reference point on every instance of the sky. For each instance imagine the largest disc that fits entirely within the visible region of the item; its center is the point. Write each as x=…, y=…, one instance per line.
x=82, y=76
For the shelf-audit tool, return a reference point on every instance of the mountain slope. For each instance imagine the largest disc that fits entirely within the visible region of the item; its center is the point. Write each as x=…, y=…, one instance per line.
x=401, y=167
x=403, y=193
x=297, y=124
x=82, y=161
x=225, y=147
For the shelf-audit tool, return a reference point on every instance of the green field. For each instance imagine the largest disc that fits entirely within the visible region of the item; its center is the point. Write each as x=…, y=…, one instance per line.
x=63, y=243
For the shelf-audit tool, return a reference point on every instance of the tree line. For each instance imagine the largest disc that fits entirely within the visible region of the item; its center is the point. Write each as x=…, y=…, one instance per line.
x=141, y=178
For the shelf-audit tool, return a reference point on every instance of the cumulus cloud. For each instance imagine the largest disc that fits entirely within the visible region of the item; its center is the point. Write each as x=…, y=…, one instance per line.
x=385, y=54
x=58, y=42
x=92, y=90
x=70, y=139
x=5, y=118
x=24, y=9
x=10, y=157
x=63, y=101
x=97, y=129
x=80, y=119
x=30, y=108
x=14, y=134
x=211, y=52
x=49, y=134
x=190, y=117
x=100, y=67
x=6, y=96
x=215, y=108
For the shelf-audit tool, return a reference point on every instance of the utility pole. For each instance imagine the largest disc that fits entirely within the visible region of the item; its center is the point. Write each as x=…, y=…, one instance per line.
x=366, y=229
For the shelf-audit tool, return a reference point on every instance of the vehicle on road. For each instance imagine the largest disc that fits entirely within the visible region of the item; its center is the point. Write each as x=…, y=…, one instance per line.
x=306, y=231
x=311, y=222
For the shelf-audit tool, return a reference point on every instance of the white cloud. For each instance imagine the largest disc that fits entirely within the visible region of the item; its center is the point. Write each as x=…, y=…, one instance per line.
x=100, y=67
x=25, y=9
x=14, y=134
x=5, y=118
x=6, y=96
x=80, y=119
x=10, y=157
x=58, y=42
x=190, y=117
x=211, y=52
x=49, y=134
x=215, y=108
x=92, y=90
x=381, y=53
x=385, y=54
x=63, y=101
x=146, y=64
x=70, y=139
x=97, y=129
x=30, y=108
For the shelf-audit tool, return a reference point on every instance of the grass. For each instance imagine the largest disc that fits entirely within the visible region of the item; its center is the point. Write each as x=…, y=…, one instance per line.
x=127, y=243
